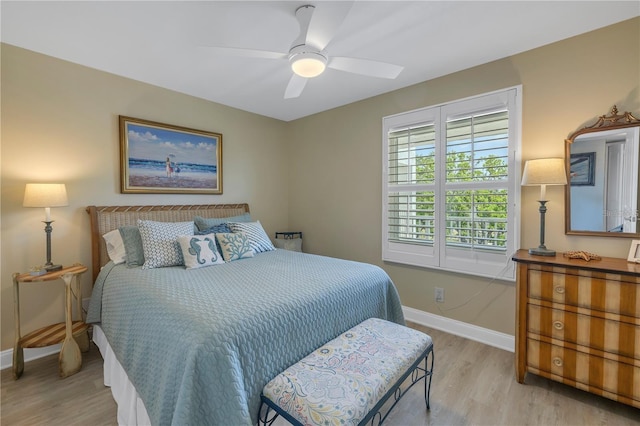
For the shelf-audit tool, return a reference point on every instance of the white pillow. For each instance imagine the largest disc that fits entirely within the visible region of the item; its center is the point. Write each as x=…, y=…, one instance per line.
x=234, y=246
x=115, y=246
x=255, y=233
x=160, y=242
x=199, y=250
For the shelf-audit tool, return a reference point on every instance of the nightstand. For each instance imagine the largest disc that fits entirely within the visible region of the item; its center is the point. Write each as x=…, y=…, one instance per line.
x=72, y=334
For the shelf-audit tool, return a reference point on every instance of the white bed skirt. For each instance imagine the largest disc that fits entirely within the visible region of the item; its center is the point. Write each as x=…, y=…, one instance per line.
x=131, y=410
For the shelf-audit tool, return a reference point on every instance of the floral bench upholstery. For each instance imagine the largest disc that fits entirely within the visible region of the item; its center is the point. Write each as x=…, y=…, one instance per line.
x=348, y=380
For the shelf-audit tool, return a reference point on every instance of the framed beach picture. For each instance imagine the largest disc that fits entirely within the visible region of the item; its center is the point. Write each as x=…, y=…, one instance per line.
x=582, y=171
x=165, y=159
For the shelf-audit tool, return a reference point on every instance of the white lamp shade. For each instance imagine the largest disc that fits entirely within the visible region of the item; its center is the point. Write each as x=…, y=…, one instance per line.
x=544, y=171
x=45, y=195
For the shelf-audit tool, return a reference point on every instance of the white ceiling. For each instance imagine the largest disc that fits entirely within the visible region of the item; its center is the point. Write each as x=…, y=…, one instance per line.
x=164, y=43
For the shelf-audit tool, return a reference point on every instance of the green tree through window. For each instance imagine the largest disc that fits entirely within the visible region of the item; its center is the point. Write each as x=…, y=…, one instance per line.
x=476, y=216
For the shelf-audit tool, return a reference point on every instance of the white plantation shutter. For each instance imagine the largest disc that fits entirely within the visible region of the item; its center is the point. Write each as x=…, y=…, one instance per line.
x=451, y=185
x=412, y=204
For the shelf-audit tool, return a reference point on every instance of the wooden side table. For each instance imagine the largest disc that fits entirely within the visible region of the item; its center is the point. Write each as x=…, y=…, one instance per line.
x=72, y=334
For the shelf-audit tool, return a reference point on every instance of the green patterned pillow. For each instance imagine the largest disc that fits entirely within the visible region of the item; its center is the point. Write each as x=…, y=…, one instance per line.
x=132, y=245
x=160, y=242
x=199, y=251
x=234, y=246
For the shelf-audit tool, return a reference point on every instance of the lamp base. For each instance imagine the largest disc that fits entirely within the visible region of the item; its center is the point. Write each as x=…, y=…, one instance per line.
x=52, y=268
x=542, y=251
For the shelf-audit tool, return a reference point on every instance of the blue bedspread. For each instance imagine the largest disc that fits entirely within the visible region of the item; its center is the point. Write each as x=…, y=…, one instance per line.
x=200, y=344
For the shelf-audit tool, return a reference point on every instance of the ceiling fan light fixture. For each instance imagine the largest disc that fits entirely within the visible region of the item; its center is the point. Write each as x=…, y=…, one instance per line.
x=308, y=64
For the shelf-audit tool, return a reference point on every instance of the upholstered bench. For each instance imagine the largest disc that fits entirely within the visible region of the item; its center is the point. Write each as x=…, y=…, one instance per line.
x=348, y=380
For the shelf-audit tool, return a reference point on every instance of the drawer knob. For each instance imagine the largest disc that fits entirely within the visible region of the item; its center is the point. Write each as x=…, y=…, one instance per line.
x=558, y=325
x=559, y=290
x=557, y=362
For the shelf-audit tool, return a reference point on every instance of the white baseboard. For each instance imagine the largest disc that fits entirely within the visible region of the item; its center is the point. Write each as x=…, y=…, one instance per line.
x=469, y=331
x=489, y=337
x=6, y=357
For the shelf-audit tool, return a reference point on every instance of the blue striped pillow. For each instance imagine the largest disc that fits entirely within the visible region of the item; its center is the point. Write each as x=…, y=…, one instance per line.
x=258, y=239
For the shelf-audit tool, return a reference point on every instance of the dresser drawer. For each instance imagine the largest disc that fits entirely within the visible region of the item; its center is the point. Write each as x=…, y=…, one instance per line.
x=613, y=379
x=610, y=336
x=604, y=295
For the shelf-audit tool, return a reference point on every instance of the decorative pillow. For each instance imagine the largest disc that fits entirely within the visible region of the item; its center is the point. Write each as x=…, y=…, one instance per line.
x=223, y=228
x=204, y=223
x=115, y=246
x=234, y=246
x=293, y=244
x=160, y=242
x=199, y=251
x=132, y=245
x=257, y=237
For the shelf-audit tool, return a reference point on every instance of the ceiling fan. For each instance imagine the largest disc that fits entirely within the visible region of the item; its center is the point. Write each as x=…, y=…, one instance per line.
x=307, y=55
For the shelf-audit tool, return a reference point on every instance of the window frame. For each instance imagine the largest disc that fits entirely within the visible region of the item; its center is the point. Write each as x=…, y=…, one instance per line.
x=440, y=256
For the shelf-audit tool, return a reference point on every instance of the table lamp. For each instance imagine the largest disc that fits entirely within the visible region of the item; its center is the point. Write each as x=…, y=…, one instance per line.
x=543, y=172
x=46, y=195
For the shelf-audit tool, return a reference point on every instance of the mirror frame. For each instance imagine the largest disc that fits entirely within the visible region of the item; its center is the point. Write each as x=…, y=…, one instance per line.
x=604, y=122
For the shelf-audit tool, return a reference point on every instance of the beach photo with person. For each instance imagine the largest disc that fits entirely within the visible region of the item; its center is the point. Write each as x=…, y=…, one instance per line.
x=160, y=159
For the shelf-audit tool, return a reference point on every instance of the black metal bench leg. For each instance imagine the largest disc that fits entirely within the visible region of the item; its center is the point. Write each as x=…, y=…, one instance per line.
x=263, y=418
x=428, y=372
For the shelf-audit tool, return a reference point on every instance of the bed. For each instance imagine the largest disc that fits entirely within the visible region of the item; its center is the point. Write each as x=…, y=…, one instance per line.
x=196, y=346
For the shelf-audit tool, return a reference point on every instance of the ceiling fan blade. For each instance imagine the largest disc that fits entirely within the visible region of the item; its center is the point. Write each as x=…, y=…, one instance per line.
x=326, y=20
x=365, y=67
x=247, y=53
x=295, y=86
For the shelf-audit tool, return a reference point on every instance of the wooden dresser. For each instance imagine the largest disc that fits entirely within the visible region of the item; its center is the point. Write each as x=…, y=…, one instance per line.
x=578, y=323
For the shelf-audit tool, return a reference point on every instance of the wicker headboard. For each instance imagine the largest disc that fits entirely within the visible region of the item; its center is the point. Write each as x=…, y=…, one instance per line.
x=107, y=218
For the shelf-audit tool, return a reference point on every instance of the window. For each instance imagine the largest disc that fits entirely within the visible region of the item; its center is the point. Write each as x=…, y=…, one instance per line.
x=451, y=179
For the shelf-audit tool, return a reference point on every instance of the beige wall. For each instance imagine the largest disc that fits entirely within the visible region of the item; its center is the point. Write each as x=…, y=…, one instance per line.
x=320, y=174
x=335, y=178
x=60, y=124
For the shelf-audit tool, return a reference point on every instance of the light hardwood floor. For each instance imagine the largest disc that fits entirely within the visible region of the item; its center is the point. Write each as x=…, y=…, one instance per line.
x=473, y=384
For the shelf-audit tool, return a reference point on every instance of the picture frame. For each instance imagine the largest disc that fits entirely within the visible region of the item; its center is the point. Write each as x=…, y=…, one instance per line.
x=582, y=169
x=634, y=251
x=157, y=158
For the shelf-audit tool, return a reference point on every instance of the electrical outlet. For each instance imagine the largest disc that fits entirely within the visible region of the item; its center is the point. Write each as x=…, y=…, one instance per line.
x=439, y=295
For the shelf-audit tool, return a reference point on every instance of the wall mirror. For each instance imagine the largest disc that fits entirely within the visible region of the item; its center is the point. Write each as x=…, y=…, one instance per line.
x=602, y=174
